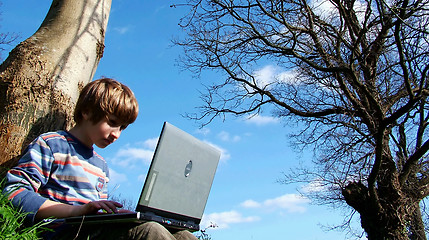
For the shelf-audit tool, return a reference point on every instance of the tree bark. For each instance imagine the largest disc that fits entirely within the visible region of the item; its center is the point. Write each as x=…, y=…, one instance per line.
x=41, y=78
x=417, y=227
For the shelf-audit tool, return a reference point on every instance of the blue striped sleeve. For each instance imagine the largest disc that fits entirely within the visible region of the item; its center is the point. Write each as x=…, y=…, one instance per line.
x=24, y=180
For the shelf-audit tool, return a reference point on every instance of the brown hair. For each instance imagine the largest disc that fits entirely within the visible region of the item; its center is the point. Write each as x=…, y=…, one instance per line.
x=104, y=97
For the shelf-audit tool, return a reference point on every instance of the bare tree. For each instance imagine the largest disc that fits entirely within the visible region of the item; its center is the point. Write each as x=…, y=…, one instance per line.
x=354, y=81
x=40, y=79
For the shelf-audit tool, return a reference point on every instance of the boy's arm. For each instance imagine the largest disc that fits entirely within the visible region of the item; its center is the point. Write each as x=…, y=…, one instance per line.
x=24, y=180
x=61, y=210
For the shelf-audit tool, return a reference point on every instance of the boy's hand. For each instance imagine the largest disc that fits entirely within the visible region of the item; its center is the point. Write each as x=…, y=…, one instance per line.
x=60, y=210
x=94, y=207
x=125, y=211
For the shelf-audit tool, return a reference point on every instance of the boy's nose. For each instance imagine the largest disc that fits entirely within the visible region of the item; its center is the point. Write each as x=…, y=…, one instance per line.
x=116, y=132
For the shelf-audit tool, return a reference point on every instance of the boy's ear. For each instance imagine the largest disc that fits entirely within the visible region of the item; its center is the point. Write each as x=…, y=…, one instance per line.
x=85, y=116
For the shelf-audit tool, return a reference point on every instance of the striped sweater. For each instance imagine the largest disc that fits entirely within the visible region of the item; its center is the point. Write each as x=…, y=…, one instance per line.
x=58, y=167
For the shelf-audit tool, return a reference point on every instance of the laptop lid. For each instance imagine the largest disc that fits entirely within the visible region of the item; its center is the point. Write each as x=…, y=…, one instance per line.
x=180, y=176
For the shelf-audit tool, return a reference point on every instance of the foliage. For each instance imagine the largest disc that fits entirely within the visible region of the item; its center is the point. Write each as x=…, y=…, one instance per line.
x=11, y=222
x=203, y=235
x=127, y=203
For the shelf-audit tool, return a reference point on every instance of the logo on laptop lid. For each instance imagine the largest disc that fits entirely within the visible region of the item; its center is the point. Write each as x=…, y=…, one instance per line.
x=188, y=168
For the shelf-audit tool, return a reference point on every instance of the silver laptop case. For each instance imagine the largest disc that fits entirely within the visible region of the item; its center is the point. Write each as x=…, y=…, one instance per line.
x=180, y=176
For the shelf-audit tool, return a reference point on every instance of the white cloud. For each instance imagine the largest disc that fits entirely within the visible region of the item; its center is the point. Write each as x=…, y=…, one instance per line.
x=225, y=219
x=265, y=75
x=226, y=137
x=288, y=202
x=116, y=178
x=272, y=74
x=287, y=76
x=291, y=203
x=151, y=143
x=121, y=30
x=224, y=155
x=261, y=120
x=203, y=131
x=326, y=9
x=130, y=156
x=251, y=204
x=314, y=186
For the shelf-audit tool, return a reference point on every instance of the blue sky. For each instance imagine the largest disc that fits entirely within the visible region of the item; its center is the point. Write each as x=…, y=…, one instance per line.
x=246, y=201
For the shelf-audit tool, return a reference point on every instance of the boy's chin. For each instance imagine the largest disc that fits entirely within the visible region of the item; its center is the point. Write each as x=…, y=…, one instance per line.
x=103, y=145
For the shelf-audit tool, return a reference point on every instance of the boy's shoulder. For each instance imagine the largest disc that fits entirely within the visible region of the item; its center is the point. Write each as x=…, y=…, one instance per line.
x=57, y=135
x=64, y=142
x=58, y=138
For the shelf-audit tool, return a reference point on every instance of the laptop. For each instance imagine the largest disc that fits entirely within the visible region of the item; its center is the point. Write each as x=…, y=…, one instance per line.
x=177, y=185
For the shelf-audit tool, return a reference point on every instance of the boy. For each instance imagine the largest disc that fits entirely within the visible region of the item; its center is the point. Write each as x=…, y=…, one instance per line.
x=60, y=175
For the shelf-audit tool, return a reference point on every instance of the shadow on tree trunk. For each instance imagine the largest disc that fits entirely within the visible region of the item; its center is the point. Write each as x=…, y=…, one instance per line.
x=50, y=122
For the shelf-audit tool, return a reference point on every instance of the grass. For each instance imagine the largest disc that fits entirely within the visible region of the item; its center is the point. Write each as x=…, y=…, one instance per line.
x=11, y=222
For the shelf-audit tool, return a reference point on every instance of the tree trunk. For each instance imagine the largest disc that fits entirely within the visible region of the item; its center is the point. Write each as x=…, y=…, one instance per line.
x=379, y=224
x=388, y=210
x=395, y=220
x=41, y=78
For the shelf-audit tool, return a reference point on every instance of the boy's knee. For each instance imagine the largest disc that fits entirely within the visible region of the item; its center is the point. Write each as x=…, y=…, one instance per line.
x=150, y=230
x=153, y=226
x=154, y=230
x=184, y=235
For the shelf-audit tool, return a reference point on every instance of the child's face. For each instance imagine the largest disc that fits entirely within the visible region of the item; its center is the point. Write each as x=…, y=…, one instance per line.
x=104, y=132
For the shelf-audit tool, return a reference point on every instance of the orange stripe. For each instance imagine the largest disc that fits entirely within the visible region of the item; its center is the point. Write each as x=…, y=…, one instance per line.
x=15, y=172
x=94, y=173
x=60, y=162
x=15, y=193
x=65, y=198
x=79, y=164
x=51, y=135
x=99, y=156
x=30, y=164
